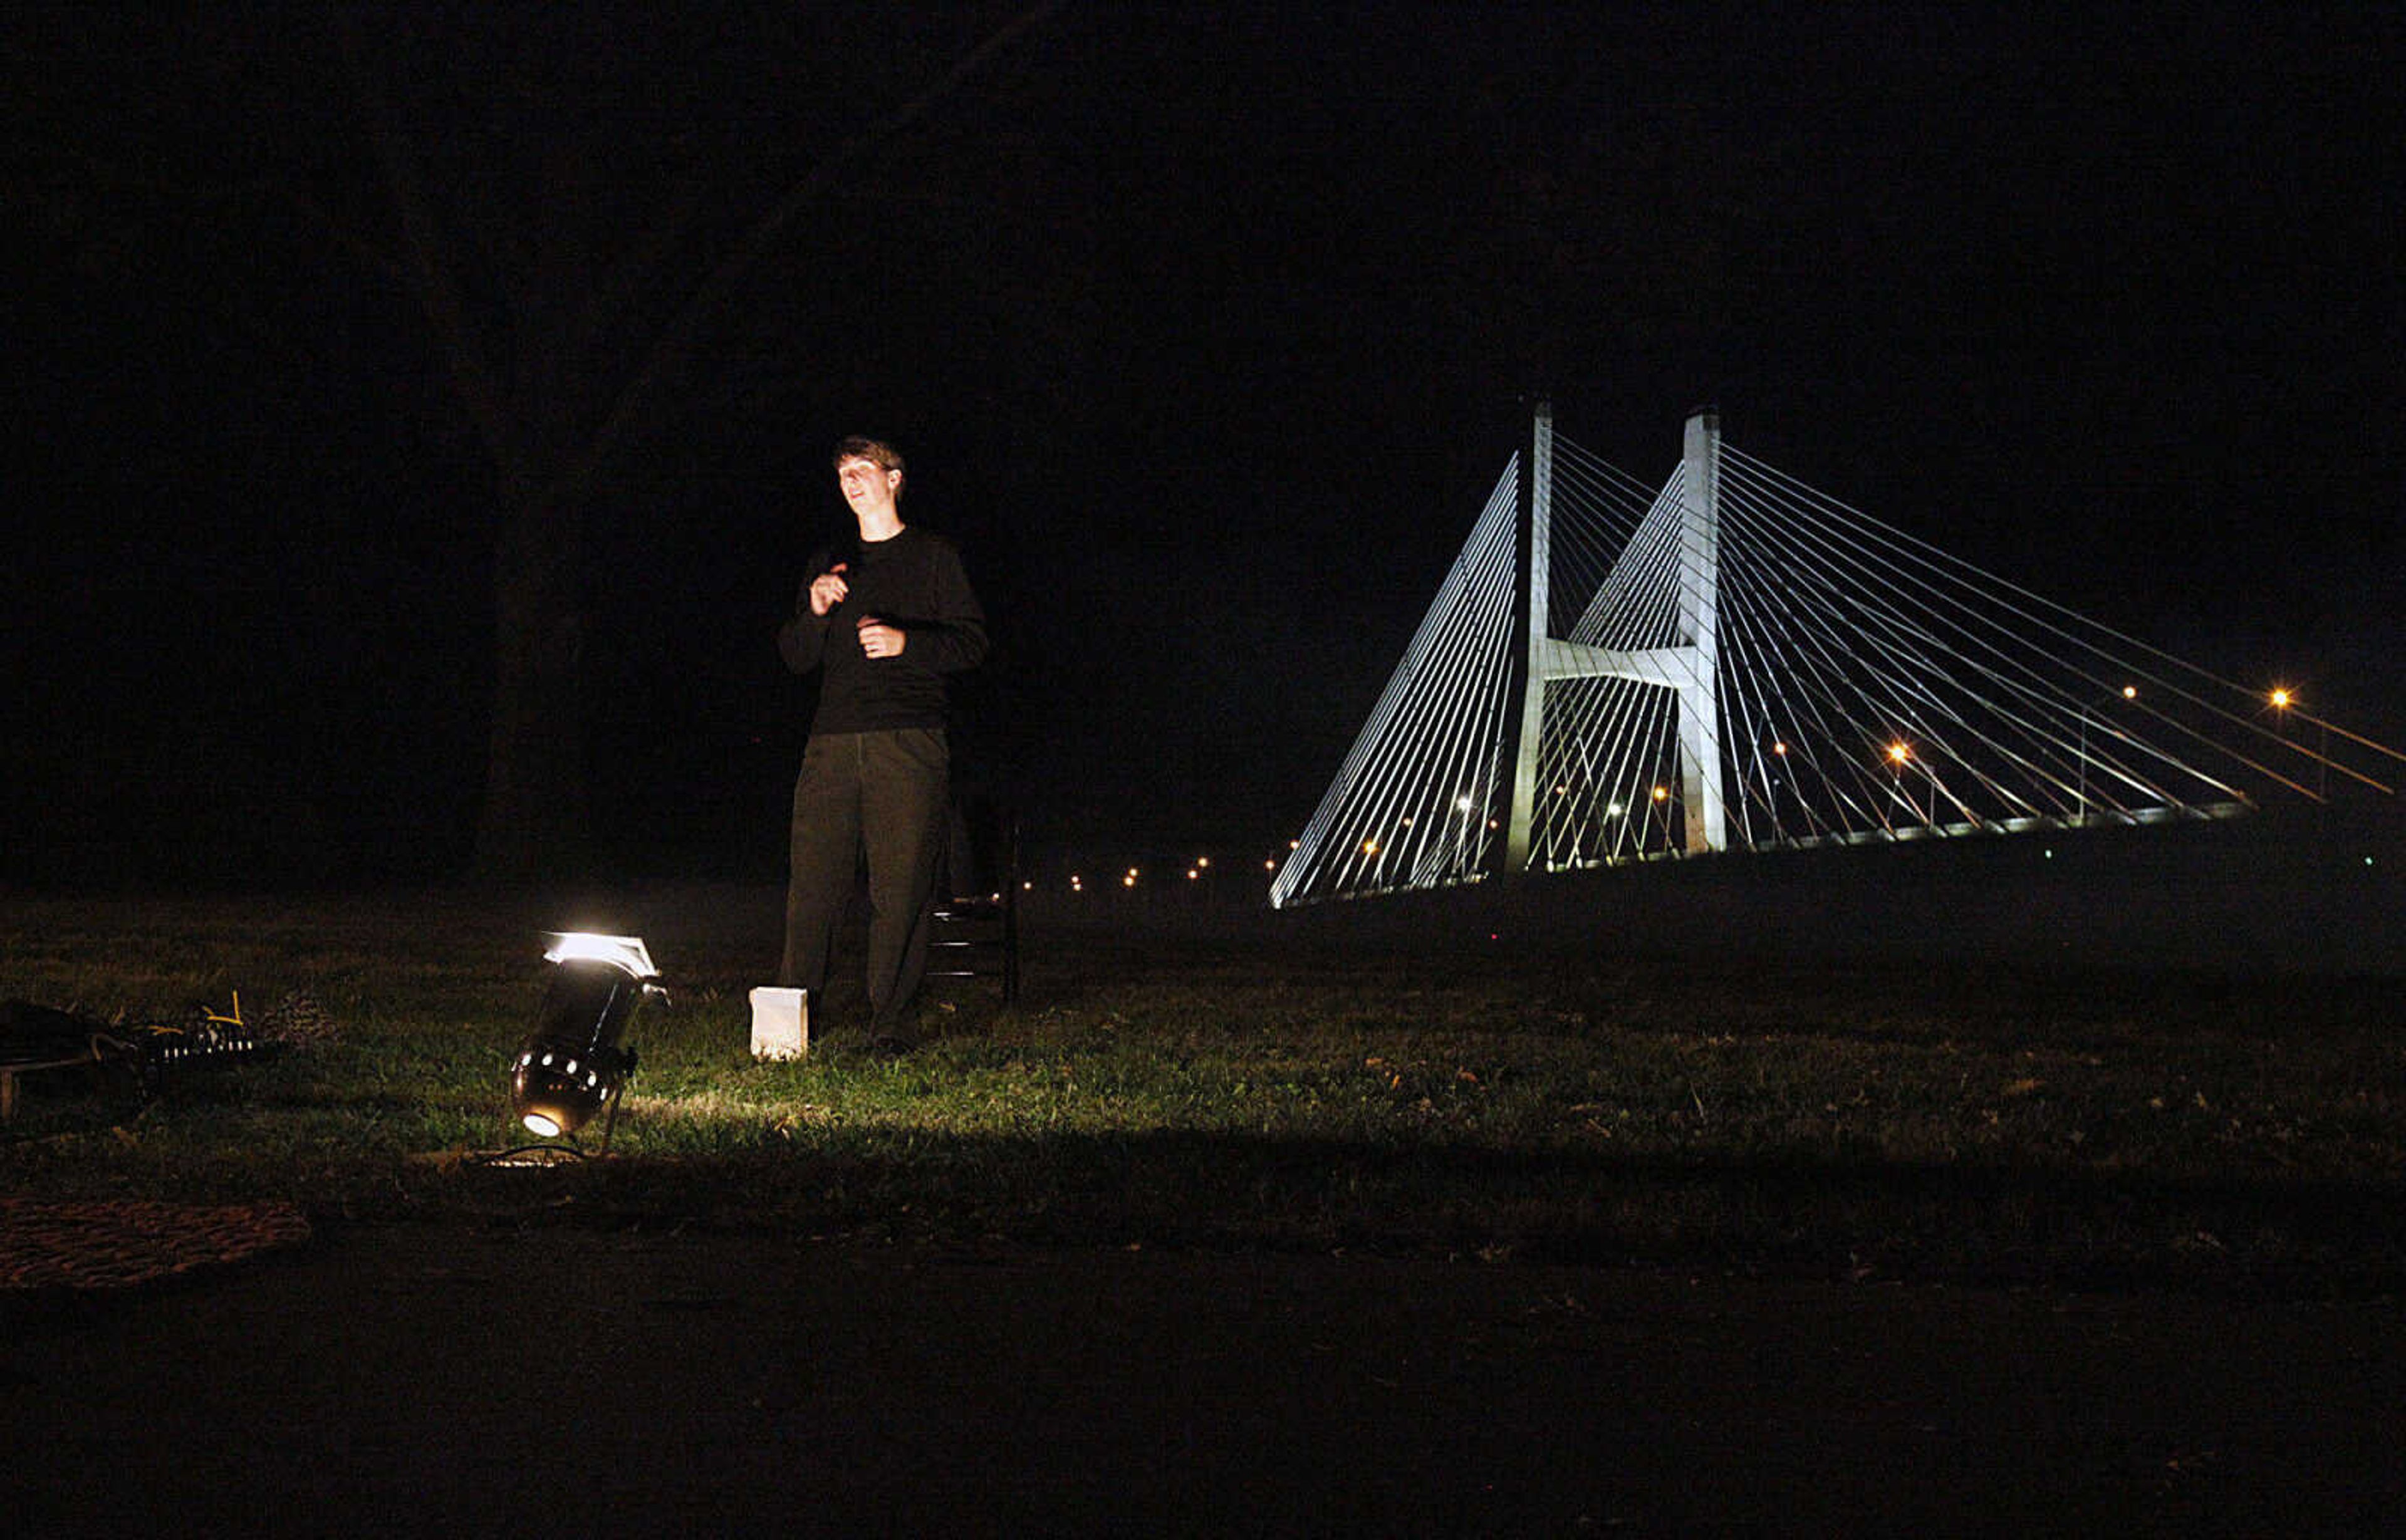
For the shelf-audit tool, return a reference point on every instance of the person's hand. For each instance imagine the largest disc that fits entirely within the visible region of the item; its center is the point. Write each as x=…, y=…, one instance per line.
x=828, y=589
x=879, y=639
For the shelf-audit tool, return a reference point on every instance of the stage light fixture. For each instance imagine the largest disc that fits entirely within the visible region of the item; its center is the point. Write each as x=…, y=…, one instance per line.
x=572, y=1065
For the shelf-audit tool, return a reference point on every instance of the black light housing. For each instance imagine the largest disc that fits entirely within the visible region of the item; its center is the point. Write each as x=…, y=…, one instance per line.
x=571, y=1065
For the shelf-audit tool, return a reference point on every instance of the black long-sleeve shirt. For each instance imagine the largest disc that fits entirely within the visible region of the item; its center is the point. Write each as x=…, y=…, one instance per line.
x=913, y=582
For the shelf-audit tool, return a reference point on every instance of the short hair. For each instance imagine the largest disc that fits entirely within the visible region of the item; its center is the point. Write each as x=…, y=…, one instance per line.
x=876, y=451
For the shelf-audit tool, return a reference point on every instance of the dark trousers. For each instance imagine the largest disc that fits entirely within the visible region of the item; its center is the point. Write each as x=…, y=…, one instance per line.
x=881, y=795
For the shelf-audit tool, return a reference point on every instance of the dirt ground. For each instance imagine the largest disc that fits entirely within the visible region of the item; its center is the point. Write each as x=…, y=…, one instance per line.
x=425, y=1379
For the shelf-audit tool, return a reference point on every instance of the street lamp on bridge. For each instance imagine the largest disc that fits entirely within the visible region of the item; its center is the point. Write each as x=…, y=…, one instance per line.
x=2080, y=814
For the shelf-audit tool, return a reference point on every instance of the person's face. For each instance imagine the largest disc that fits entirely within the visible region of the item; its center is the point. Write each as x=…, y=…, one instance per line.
x=867, y=484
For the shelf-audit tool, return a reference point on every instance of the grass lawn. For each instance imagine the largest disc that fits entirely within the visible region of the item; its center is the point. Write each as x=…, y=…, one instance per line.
x=1244, y=1079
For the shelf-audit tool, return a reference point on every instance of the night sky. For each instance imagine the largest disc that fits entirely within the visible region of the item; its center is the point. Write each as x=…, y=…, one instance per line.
x=1205, y=328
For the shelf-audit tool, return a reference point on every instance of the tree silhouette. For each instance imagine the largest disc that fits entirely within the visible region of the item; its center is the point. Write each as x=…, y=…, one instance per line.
x=568, y=292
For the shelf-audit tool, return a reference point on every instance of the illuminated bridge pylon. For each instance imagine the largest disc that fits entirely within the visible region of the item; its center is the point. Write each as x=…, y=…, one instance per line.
x=1751, y=665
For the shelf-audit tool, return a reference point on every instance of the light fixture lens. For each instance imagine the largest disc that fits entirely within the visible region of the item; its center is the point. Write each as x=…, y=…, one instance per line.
x=541, y=1126
x=624, y=953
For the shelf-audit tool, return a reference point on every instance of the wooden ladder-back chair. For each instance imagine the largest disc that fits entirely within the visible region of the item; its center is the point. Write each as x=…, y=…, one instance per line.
x=974, y=931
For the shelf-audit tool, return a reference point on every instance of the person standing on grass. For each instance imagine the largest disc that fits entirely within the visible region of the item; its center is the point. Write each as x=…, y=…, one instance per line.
x=883, y=618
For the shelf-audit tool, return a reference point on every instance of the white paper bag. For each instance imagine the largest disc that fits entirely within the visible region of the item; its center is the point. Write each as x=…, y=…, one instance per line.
x=781, y=1024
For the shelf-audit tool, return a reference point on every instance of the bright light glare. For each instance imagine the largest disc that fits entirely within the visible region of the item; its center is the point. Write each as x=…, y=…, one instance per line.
x=1662, y=794
x=621, y=952
x=2280, y=699
x=541, y=1126
x=2129, y=692
x=1899, y=753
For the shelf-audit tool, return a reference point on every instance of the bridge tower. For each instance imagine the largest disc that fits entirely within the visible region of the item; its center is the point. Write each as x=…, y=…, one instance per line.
x=1687, y=667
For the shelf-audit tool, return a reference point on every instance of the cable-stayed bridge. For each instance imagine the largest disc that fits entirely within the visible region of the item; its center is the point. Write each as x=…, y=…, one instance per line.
x=1734, y=661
